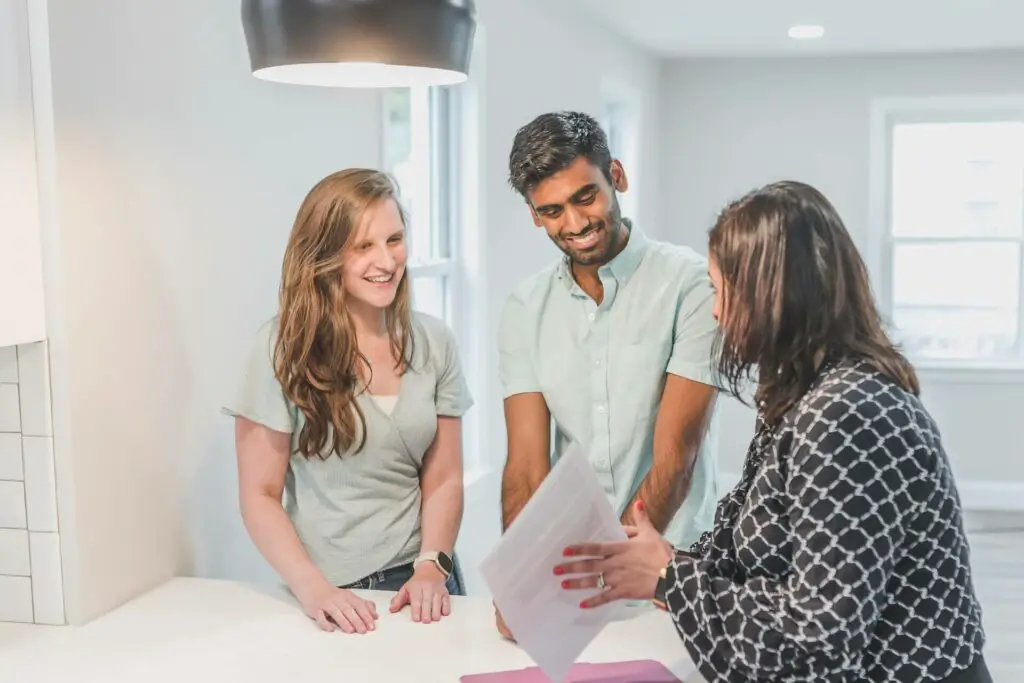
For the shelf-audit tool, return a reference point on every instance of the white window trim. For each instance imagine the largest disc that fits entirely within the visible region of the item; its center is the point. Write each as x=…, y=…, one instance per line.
x=447, y=267
x=466, y=291
x=878, y=253
x=617, y=91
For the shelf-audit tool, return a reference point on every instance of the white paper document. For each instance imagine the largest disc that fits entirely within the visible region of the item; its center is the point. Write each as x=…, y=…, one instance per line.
x=546, y=620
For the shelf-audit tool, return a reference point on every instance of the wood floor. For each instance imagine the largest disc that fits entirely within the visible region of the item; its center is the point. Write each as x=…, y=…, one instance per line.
x=997, y=559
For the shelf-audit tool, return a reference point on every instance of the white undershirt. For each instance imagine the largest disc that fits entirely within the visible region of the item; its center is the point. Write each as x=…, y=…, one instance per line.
x=385, y=403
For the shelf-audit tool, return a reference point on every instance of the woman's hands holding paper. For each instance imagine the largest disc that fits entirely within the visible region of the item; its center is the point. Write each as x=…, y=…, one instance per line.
x=623, y=570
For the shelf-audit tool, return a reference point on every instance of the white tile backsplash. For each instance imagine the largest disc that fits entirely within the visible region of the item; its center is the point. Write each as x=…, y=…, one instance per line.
x=12, y=505
x=10, y=456
x=10, y=408
x=31, y=579
x=16, y=599
x=40, y=483
x=14, y=552
x=9, y=364
x=47, y=580
x=34, y=383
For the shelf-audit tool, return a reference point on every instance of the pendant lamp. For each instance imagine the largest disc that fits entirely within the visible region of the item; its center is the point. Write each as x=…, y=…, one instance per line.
x=360, y=43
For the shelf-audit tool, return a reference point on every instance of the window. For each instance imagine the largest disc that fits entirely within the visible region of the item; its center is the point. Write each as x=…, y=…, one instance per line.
x=619, y=121
x=954, y=250
x=419, y=151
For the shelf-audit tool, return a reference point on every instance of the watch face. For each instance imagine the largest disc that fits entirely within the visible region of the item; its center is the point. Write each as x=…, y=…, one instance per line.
x=446, y=563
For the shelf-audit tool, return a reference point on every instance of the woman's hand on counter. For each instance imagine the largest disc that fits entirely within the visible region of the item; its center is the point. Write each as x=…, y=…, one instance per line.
x=426, y=595
x=333, y=608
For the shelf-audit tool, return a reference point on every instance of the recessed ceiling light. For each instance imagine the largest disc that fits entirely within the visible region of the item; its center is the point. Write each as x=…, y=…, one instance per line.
x=806, y=32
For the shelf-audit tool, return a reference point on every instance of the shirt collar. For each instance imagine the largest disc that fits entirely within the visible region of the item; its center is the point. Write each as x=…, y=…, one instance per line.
x=623, y=265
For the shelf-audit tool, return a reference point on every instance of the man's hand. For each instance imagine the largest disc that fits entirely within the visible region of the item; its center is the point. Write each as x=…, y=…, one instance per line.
x=502, y=627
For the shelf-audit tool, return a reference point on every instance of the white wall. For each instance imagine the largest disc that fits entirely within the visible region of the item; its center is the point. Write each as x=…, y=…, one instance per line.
x=170, y=178
x=175, y=178
x=731, y=125
x=22, y=318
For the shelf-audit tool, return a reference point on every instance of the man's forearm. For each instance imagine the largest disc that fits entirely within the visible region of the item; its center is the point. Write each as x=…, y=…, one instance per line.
x=664, y=488
x=683, y=419
x=517, y=487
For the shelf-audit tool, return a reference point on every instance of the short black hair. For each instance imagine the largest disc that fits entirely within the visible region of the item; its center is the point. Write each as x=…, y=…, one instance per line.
x=551, y=143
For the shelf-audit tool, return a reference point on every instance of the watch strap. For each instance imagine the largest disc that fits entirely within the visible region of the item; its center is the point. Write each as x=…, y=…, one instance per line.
x=661, y=589
x=440, y=559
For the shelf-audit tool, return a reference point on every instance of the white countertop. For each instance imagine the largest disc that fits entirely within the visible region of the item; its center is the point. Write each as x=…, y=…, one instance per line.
x=199, y=630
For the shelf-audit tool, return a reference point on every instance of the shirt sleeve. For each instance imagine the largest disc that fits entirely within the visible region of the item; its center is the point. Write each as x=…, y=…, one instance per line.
x=258, y=396
x=515, y=360
x=851, y=498
x=453, y=398
x=695, y=331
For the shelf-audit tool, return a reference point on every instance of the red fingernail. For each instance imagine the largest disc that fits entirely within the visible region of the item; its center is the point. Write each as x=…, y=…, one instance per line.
x=559, y=570
x=565, y=584
x=567, y=552
x=584, y=604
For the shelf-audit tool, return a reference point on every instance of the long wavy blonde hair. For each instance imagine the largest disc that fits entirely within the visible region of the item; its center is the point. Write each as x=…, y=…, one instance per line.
x=316, y=356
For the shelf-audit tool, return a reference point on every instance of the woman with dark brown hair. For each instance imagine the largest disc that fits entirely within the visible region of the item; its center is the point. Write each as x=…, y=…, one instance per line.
x=841, y=554
x=350, y=405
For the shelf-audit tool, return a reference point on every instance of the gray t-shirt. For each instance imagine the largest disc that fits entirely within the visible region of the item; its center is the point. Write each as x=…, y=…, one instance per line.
x=360, y=513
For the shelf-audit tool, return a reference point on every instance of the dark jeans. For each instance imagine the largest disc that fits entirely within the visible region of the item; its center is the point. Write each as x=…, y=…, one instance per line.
x=394, y=578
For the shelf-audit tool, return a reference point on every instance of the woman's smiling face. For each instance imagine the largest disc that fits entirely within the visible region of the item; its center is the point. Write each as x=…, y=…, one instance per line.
x=376, y=259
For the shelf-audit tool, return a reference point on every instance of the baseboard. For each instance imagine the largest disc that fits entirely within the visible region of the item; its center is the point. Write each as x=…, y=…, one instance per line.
x=981, y=496
x=992, y=496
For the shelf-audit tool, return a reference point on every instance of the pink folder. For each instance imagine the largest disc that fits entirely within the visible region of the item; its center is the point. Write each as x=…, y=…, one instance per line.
x=641, y=671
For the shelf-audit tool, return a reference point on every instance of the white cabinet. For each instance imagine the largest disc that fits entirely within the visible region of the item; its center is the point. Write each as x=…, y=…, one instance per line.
x=22, y=314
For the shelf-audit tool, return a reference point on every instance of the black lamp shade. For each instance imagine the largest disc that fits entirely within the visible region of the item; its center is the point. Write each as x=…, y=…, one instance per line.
x=360, y=43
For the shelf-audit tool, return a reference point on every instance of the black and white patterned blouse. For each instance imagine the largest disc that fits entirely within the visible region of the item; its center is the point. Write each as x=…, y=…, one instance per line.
x=840, y=555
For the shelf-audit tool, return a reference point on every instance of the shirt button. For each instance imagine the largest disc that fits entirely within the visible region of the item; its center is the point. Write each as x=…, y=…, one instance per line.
x=590, y=316
x=600, y=409
x=597, y=362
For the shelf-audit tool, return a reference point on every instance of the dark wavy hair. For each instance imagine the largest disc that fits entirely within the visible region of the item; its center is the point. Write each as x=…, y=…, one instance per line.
x=795, y=293
x=551, y=143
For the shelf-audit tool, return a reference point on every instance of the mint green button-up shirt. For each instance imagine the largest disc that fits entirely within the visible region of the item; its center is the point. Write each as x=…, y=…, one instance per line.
x=601, y=368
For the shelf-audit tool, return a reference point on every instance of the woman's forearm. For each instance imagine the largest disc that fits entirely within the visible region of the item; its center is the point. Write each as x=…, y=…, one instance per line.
x=442, y=513
x=276, y=539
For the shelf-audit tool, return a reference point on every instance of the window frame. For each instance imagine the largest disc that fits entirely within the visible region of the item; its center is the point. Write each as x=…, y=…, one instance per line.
x=461, y=267
x=621, y=110
x=444, y=112
x=885, y=114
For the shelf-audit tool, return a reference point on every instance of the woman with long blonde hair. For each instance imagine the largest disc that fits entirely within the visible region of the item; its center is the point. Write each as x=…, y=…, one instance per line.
x=350, y=405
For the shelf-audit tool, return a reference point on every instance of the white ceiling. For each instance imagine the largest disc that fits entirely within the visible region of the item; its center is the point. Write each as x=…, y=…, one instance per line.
x=688, y=28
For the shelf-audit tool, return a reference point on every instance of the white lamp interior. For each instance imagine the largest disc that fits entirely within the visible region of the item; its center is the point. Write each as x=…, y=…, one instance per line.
x=359, y=75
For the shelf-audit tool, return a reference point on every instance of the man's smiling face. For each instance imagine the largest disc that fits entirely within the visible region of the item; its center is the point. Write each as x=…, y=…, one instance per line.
x=579, y=209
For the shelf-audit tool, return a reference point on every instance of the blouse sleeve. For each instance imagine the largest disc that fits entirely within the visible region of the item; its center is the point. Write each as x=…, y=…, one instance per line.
x=855, y=477
x=258, y=396
x=453, y=397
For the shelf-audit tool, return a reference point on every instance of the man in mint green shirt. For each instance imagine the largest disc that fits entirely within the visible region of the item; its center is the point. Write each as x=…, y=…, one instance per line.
x=613, y=343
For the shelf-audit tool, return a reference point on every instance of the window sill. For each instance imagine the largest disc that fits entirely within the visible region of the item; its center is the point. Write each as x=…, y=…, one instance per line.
x=966, y=372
